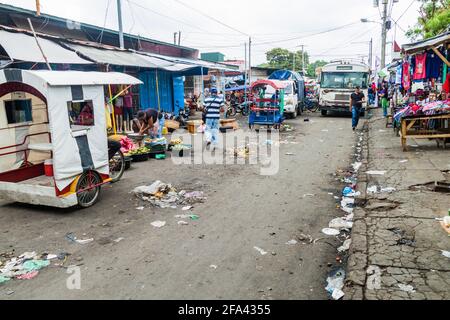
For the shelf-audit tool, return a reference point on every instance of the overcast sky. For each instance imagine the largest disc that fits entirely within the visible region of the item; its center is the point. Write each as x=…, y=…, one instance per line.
x=281, y=23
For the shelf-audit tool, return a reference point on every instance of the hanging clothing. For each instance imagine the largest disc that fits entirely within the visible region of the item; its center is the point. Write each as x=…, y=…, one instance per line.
x=398, y=75
x=434, y=65
x=420, y=72
x=446, y=86
x=406, y=78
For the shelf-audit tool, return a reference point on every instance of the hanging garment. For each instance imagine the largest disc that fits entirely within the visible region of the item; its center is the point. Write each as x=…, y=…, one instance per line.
x=398, y=75
x=446, y=86
x=420, y=72
x=406, y=78
x=416, y=86
x=434, y=65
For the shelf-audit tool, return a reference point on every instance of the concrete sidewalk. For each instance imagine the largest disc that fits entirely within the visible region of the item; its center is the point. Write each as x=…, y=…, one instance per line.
x=397, y=242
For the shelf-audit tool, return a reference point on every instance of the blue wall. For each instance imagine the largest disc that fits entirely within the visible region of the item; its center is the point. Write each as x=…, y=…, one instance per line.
x=148, y=95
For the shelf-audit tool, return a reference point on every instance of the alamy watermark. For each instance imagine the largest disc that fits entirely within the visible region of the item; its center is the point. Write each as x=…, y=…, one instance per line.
x=235, y=147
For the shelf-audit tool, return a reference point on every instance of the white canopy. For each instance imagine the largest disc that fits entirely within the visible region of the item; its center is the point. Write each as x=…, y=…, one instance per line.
x=22, y=47
x=63, y=78
x=74, y=150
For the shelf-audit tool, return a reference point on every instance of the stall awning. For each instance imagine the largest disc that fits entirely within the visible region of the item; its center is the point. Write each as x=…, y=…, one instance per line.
x=112, y=56
x=83, y=78
x=23, y=47
x=428, y=43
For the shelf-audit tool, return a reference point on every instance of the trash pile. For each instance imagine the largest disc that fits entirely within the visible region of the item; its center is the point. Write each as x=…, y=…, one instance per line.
x=341, y=227
x=24, y=267
x=164, y=195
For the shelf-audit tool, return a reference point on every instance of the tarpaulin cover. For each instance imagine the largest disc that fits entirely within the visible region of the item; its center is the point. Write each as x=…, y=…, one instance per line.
x=239, y=88
x=284, y=75
x=22, y=47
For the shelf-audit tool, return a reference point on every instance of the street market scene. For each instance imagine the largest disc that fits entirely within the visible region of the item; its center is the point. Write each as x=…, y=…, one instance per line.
x=231, y=160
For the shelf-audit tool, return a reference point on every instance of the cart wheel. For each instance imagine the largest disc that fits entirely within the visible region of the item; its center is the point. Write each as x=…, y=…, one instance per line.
x=88, y=189
x=117, y=166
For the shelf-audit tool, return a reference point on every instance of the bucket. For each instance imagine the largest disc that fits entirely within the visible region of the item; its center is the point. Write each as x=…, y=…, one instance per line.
x=48, y=168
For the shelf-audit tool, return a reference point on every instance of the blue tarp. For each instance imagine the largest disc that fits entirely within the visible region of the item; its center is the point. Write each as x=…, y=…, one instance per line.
x=284, y=75
x=239, y=88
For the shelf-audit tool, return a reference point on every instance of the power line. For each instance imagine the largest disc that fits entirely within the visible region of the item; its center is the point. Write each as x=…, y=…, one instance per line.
x=407, y=9
x=167, y=17
x=210, y=17
x=100, y=37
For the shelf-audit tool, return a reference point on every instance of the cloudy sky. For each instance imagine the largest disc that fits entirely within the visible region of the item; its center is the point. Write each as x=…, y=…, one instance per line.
x=213, y=25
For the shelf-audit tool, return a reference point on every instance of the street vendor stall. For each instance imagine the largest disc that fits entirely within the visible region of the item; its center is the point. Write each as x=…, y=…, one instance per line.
x=423, y=110
x=53, y=135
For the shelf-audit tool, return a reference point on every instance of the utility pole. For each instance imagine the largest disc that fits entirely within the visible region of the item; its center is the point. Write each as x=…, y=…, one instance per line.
x=293, y=68
x=119, y=14
x=245, y=73
x=179, y=38
x=303, y=59
x=175, y=38
x=250, y=59
x=384, y=34
x=370, y=53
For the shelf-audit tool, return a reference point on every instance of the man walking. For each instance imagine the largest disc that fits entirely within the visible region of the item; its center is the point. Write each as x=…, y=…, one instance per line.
x=213, y=104
x=356, y=103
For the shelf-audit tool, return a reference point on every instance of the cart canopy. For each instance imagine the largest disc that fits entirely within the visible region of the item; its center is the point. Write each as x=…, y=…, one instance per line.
x=77, y=145
x=276, y=84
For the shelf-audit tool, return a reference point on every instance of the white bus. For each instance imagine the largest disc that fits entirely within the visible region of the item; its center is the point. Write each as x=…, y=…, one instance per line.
x=338, y=81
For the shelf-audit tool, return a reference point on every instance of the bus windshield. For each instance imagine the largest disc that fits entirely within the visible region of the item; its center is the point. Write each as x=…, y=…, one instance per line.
x=344, y=80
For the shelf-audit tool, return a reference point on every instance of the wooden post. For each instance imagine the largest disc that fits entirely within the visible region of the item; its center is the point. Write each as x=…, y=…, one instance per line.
x=441, y=56
x=39, y=45
x=38, y=8
x=404, y=132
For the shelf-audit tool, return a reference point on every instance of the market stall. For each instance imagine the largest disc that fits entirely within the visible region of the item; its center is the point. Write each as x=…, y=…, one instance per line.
x=421, y=109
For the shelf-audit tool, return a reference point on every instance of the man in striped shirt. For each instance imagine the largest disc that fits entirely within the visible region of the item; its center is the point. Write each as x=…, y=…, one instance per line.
x=213, y=105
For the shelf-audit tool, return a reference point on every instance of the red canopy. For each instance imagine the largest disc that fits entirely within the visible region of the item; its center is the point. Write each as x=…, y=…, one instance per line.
x=276, y=84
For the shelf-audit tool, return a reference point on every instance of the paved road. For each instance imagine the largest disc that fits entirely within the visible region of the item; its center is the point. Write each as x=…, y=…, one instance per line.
x=243, y=210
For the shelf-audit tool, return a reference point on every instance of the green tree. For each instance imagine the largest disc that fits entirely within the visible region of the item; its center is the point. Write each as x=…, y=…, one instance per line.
x=313, y=66
x=434, y=19
x=280, y=58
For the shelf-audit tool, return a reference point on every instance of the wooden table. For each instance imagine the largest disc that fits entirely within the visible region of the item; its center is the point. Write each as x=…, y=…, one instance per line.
x=418, y=127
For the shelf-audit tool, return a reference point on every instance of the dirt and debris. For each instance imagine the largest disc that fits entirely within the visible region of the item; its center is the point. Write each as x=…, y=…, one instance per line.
x=164, y=195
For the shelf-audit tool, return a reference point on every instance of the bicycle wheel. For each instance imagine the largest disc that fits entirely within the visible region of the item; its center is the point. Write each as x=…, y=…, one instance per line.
x=117, y=166
x=88, y=189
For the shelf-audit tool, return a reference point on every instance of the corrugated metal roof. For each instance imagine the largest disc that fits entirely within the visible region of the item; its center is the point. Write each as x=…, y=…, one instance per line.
x=23, y=47
x=425, y=44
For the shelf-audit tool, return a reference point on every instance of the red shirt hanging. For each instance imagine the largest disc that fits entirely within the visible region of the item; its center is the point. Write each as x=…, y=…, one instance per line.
x=420, y=72
x=406, y=78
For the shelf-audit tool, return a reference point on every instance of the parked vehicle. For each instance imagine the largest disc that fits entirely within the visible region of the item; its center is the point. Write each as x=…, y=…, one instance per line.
x=294, y=91
x=338, y=81
x=62, y=158
x=242, y=108
x=267, y=107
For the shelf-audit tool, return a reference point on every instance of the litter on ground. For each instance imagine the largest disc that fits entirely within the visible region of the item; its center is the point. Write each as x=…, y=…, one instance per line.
x=330, y=232
x=261, y=251
x=158, y=224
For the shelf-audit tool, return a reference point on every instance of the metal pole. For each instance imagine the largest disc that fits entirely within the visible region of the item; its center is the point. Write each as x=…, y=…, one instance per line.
x=179, y=38
x=293, y=68
x=250, y=60
x=245, y=74
x=371, y=53
x=175, y=38
x=384, y=34
x=303, y=59
x=119, y=14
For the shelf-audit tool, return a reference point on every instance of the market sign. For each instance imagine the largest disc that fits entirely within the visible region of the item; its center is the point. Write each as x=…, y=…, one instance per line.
x=344, y=68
